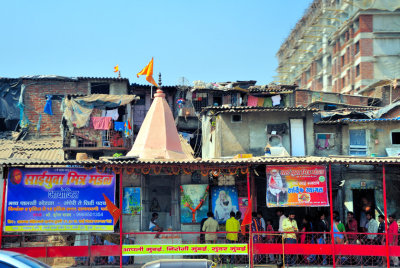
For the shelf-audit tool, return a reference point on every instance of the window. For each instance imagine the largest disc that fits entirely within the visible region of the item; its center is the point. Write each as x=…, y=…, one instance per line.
x=31, y=262
x=324, y=141
x=357, y=47
x=396, y=137
x=342, y=60
x=199, y=100
x=358, y=142
x=356, y=24
x=100, y=88
x=358, y=70
x=236, y=118
x=217, y=100
x=6, y=265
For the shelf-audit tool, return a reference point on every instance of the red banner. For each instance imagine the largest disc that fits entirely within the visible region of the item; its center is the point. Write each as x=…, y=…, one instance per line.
x=297, y=186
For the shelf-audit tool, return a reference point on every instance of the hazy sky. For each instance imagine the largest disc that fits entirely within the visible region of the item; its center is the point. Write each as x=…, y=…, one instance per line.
x=210, y=40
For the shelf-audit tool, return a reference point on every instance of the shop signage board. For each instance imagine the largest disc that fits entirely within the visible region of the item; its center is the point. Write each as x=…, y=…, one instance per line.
x=297, y=186
x=189, y=249
x=59, y=200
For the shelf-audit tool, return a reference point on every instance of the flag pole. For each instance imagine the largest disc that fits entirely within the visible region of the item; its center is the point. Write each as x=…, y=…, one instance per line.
x=250, y=234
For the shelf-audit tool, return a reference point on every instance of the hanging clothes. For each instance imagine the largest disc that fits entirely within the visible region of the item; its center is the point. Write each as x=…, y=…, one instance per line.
x=101, y=123
x=267, y=102
x=47, y=107
x=260, y=102
x=113, y=114
x=252, y=101
x=128, y=128
x=119, y=126
x=276, y=100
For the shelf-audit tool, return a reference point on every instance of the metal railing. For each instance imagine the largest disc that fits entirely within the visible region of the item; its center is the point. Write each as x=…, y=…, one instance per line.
x=262, y=248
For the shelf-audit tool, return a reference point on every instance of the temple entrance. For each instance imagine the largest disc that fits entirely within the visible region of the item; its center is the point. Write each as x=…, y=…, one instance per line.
x=363, y=202
x=161, y=196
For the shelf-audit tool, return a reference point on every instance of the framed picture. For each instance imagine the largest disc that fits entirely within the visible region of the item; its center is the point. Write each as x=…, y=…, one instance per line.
x=224, y=200
x=194, y=202
x=131, y=203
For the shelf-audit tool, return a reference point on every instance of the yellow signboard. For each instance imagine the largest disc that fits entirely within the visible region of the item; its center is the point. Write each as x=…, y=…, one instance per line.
x=189, y=249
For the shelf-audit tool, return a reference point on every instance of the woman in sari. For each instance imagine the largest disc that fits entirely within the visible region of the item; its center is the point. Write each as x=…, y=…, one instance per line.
x=338, y=237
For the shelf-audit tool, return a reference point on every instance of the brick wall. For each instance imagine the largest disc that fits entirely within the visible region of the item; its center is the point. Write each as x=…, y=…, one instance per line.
x=366, y=47
x=366, y=23
x=302, y=98
x=367, y=70
x=355, y=100
x=394, y=113
x=35, y=100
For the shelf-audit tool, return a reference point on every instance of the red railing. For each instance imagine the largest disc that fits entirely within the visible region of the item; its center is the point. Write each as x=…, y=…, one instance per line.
x=265, y=247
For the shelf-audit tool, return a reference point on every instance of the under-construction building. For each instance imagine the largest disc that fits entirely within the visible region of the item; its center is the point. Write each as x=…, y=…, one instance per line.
x=344, y=46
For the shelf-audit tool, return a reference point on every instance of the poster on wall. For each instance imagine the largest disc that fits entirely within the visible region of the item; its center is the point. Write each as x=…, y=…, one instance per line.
x=194, y=202
x=297, y=186
x=243, y=203
x=131, y=201
x=224, y=200
x=59, y=200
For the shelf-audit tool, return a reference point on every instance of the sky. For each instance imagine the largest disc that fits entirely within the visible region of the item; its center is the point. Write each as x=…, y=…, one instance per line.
x=209, y=40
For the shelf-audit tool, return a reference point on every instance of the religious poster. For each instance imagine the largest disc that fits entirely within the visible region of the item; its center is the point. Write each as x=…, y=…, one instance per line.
x=194, y=202
x=224, y=200
x=297, y=186
x=131, y=202
x=243, y=204
x=59, y=200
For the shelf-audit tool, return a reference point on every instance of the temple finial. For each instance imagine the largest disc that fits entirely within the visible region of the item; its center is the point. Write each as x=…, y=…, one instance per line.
x=159, y=79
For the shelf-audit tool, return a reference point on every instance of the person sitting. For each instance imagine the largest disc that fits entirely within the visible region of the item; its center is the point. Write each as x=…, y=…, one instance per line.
x=153, y=226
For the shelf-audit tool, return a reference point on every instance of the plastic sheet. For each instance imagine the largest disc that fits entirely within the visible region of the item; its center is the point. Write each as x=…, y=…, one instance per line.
x=9, y=95
x=390, y=5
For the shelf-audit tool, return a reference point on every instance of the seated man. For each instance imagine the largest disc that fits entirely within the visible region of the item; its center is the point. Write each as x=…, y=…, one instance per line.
x=153, y=227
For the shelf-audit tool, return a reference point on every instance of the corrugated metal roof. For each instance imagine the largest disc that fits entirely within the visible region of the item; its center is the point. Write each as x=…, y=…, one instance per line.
x=116, y=79
x=247, y=109
x=346, y=121
x=273, y=88
x=381, y=120
x=215, y=162
x=64, y=78
x=41, y=149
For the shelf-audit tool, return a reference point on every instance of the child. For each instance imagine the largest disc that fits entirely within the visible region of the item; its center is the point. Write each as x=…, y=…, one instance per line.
x=270, y=238
x=153, y=227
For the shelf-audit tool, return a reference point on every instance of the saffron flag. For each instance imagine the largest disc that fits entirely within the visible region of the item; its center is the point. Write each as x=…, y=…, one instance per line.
x=247, y=219
x=116, y=69
x=148, y=72
x=114, y=211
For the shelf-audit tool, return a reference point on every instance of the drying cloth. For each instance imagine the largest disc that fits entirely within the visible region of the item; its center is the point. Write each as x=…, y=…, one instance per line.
x=47, y=107
x=113, y=114
x=260, y=102
x=128, y=128
x=267, y=102
x=101, y=123
x=119, y=126
x=252, y=101
x=77, y=110
x=276, y=100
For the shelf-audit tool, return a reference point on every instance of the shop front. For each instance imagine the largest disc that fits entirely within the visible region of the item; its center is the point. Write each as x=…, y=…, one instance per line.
x=39, y=218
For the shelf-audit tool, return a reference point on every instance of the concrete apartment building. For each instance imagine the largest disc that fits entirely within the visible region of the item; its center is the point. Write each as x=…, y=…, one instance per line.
x=343, y=46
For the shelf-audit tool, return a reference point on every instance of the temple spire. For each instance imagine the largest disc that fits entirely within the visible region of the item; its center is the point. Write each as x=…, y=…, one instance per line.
x=158, y=137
